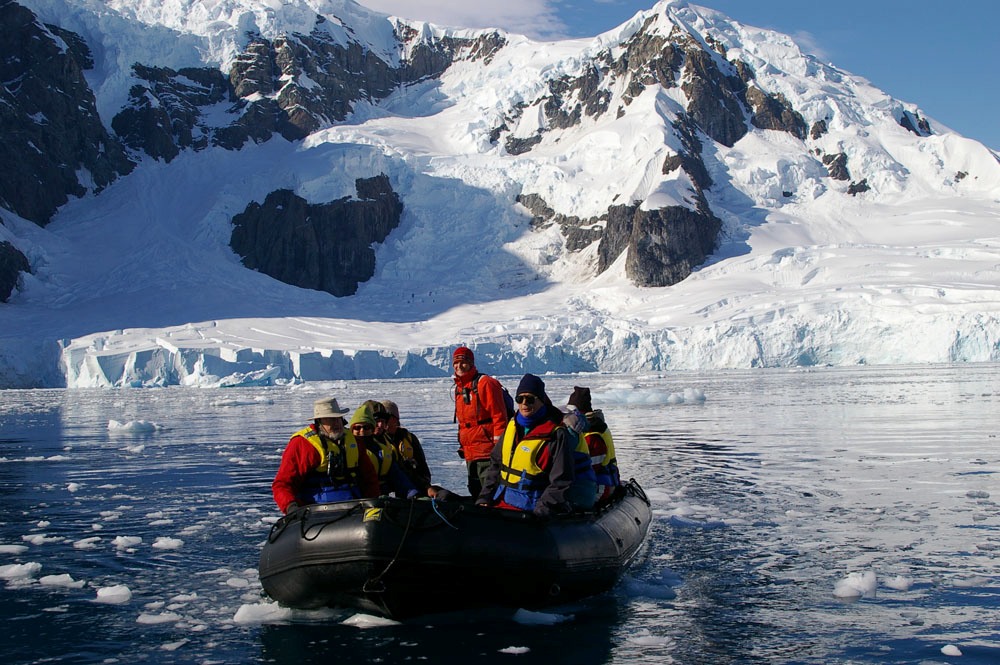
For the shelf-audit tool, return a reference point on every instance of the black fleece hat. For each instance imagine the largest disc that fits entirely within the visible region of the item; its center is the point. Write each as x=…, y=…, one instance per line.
x=533, y=385
x=581, y=399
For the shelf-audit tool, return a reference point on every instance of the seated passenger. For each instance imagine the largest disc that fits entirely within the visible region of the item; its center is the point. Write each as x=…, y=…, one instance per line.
x=391, y=478
x=408, y=449
x=599, y=442
x=583, y=493
x=531, y=469
x=323, y=463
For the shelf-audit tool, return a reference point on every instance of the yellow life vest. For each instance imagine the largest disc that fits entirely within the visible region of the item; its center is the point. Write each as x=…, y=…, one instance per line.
x=522, y=479
x=405, y=446
x=381, y=454
x=609, y=456
x=347, y=448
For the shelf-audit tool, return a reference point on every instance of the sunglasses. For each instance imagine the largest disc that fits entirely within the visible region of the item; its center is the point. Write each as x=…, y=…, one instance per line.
x=362, y=428
x=525, y=399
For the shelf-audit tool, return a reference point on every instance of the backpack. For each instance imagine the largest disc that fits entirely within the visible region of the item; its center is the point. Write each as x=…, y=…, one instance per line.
x=508, y=401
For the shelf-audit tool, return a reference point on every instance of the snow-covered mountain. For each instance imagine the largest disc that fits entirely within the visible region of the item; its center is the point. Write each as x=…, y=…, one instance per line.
x=681, y=192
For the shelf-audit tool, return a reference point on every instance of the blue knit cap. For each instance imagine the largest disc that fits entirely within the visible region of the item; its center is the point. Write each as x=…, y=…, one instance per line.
x=533, y=385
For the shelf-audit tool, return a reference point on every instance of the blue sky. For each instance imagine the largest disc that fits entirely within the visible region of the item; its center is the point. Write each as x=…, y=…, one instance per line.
x=941, y=56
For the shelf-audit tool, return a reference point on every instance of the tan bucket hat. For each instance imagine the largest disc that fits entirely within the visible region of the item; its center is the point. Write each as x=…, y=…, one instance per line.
x=328, y=408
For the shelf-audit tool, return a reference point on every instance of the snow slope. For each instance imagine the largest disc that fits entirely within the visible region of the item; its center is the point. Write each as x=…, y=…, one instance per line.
x=138, y=286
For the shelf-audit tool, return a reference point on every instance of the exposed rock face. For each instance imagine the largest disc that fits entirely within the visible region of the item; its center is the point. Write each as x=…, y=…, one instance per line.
x=719, y=98
x=836, y=165
x=291, y=86
x=164, y=116
x=912, y=122
x=51, y=129
x=856, y=188
x=12, y=264
x=664, y=246
x=326, y=247
x=774, y=112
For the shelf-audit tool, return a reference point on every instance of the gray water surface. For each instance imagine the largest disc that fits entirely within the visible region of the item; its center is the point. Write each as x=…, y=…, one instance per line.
x=768, y=494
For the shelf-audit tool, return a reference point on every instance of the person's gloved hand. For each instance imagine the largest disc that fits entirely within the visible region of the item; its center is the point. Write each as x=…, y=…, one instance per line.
x=442, y=494
x=461, y=453
x=412, y=493
x=291, y=508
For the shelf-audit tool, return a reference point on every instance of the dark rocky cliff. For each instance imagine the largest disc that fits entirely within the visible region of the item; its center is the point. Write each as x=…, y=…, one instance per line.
x=12, y=264
x=291, y=86
x=326, y=247
x=52, y=133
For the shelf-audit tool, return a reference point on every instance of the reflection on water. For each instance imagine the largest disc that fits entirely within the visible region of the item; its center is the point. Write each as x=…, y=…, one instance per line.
x=766, y=495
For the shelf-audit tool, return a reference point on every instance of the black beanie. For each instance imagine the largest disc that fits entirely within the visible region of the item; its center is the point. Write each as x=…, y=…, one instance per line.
x=581, y=399
x=533, y=385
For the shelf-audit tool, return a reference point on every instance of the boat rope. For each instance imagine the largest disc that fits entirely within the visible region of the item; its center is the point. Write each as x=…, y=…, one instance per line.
x=636, y=489
x=437, y=511
x=375, y=585
x=302, y=516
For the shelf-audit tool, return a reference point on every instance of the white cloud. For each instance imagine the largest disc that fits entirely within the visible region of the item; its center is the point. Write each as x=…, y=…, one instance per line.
x=535, y=18
x=810, y=44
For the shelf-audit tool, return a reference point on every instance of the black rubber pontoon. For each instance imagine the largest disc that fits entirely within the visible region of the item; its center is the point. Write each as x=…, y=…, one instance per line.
x=403, y=558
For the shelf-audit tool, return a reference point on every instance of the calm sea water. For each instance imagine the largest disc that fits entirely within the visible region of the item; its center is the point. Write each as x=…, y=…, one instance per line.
x=768, y=493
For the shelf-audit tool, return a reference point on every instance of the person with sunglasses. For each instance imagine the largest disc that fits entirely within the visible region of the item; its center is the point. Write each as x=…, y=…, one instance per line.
x=532, y=467
x=392, y=479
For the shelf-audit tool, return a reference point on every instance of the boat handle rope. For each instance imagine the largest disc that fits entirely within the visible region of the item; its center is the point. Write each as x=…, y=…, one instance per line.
x=635, y=488
x=279, y=527
x=437, y=511
x=375, y=584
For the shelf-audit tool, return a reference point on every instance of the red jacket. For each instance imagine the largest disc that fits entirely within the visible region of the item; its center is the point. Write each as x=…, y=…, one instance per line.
x=480, y=414
x=300, y=459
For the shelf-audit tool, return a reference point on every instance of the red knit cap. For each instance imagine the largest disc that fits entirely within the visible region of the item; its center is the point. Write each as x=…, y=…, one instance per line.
x=463, y=353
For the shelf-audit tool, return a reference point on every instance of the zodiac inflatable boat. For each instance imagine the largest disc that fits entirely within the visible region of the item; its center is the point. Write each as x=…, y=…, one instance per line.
x=402, y=558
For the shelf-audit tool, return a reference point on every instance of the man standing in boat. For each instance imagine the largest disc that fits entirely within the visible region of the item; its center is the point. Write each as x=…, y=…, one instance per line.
x=323, y=462
x=481, y=415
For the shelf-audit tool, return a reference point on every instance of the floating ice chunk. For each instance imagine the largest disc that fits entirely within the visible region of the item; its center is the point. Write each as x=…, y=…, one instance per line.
x=174, y=646
x=13, y=549
x=41, y=539
x=126, y=542
x=64, y=580
x=87, y=543
x=262, y=377
x=166, y=543
x=515, y=650
x=856, y=585
x=162, y=617
x=977, y=494
x=133, y=427
x=971, y=582
x=114, y=595
x=646, y=639
x=368, y=621
x=899, y=583
x=689, y=523
x=641, y=589
x=951, y=650
x=15, y=571
x=262, y=613
x=72, y=487
x=529, y=618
